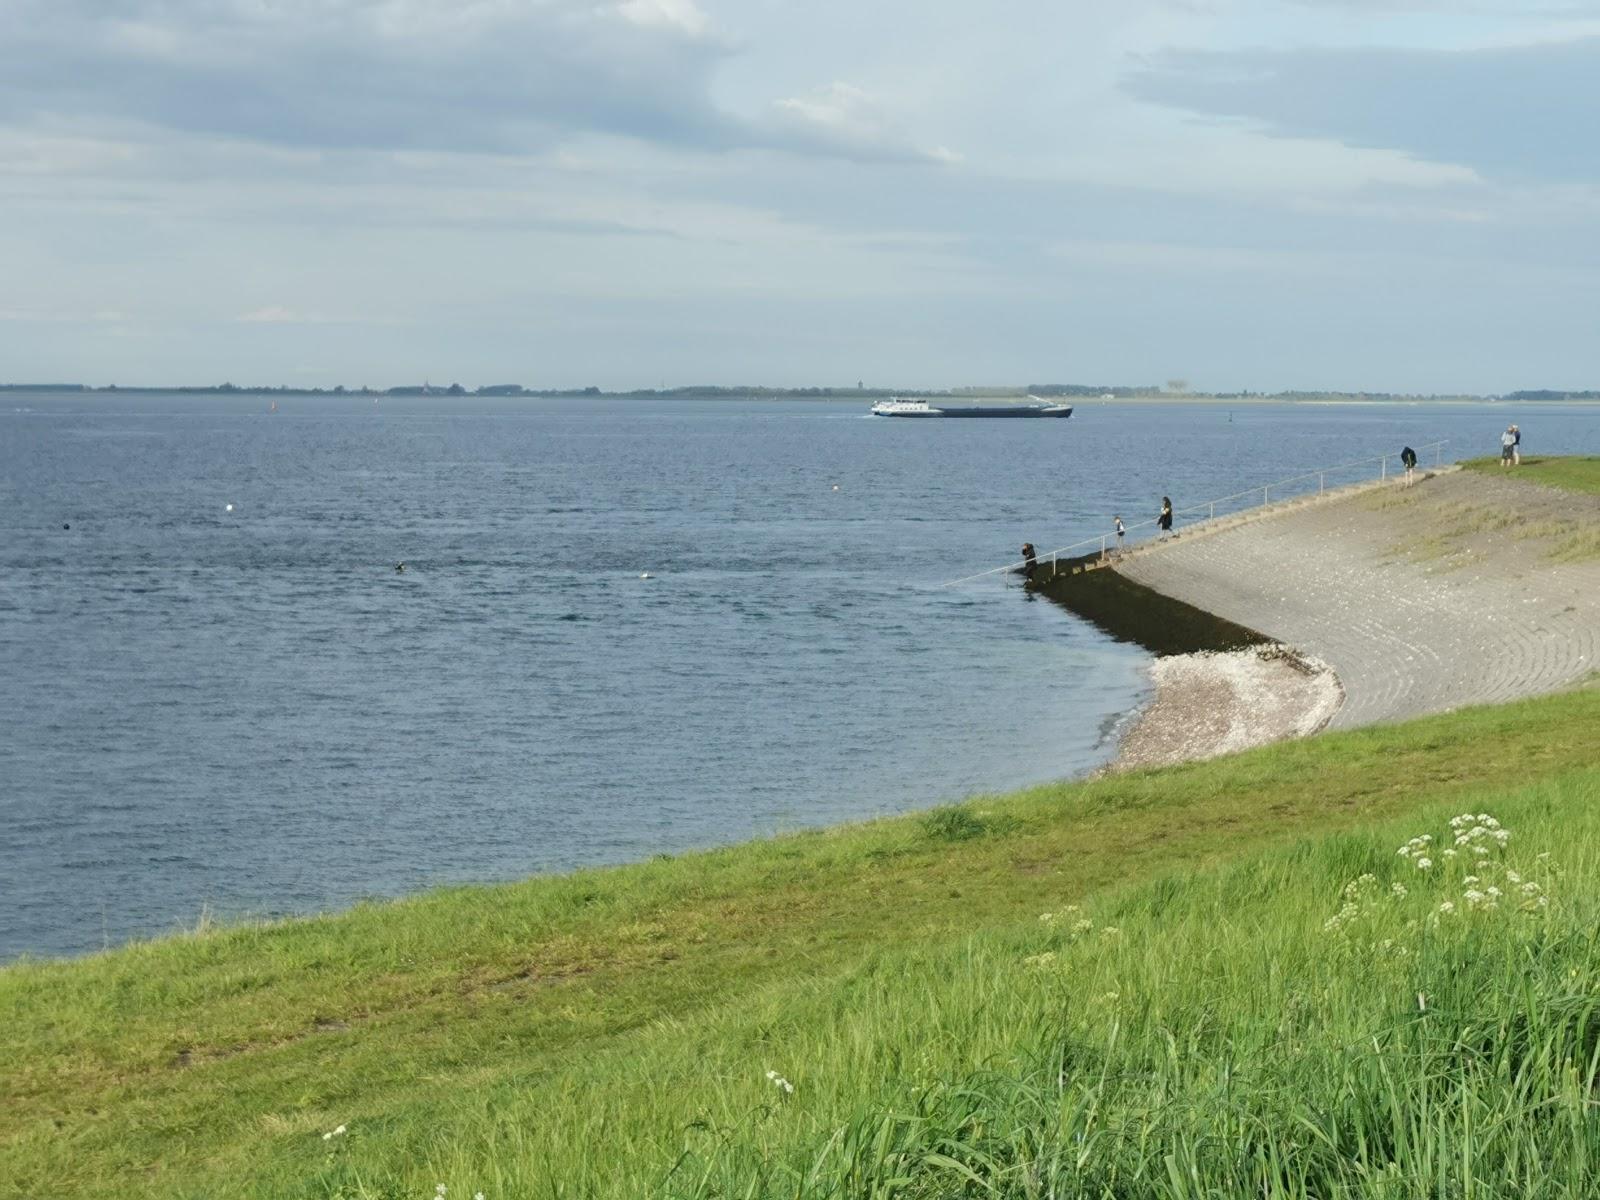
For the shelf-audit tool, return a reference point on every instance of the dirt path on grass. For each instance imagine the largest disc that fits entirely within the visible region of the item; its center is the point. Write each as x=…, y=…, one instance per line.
x=1466, y=588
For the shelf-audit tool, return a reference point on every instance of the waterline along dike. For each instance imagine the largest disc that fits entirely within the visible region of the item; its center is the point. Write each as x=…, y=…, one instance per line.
x=1465, y=587
x=1355, y=964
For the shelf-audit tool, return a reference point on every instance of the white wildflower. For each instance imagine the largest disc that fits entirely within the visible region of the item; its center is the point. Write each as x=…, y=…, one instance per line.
x=1111, y=931
x=1470, y=880
x=1046, y=959
x=1398, y=889
x=1447, y=907
x=779, y=1082
x=1424, y=864
x=1448, y=852
x=1512, y=876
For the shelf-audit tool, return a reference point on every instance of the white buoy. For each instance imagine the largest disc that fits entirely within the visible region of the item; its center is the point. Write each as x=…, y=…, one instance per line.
x=646, y=575
x=836, y=487
x=230, y=508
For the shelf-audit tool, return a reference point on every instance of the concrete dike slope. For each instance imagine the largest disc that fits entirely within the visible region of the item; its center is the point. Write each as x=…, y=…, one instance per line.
x=1464, y=588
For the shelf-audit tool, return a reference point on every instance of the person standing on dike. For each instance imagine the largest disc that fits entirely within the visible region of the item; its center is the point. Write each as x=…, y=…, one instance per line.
x=1516, y=446
x=1028, y=562
x=1408, y=459
x=1164, y=521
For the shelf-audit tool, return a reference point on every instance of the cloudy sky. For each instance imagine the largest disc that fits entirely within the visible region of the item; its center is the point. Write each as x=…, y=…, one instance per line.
x=1264, y=194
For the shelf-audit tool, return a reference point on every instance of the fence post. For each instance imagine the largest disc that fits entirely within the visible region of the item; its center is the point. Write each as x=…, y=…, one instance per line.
x=1263, y=497
x=1213, y=510
x=1438, y=450
x=1383, y=467
x=1321, y=480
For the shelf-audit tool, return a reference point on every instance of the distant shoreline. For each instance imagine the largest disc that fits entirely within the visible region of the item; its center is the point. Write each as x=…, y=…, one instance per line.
x=1083, y=397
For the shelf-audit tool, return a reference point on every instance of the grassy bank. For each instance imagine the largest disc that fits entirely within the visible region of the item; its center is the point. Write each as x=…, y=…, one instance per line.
x=608, y=1033
x=1571, y=473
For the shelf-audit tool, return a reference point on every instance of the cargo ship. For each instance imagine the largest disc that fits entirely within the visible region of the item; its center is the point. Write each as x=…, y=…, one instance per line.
x=921, y=407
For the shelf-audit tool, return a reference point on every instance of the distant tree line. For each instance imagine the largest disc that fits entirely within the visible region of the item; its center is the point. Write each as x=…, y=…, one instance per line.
x=1545, y=394
x=757, y=392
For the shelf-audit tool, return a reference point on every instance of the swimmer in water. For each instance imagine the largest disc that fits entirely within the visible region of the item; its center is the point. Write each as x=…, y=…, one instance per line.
x=399, y=568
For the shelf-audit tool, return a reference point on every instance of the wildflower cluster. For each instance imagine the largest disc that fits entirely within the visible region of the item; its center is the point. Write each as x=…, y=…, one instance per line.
x=333, y=1133
x=1070, y=919
x=1477, y=840
x=1074, y=926
x=779, y=1082
x=1475, y=832
x=1361, y=898
x=1519, y=892
x=1418, y=850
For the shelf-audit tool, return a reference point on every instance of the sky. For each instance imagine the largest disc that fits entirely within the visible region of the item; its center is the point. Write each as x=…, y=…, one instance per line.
x=1381, y=195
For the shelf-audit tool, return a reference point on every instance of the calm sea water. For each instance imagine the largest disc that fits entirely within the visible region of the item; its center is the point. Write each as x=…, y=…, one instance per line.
x=251, y=712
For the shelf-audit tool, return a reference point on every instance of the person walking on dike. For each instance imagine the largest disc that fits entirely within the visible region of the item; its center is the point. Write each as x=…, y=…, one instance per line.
x=1508, y=446
x=1122, y=533
x=1164, y=521
x=1516, y=447
x=1408, y=459
x=1028, y=562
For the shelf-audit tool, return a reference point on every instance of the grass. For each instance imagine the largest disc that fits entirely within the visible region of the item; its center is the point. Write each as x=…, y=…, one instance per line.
x=1571, y=472
x=608, y=1033
x=1444, y=530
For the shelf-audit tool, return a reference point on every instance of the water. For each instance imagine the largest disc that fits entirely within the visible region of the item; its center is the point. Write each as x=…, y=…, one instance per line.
x=251, y=712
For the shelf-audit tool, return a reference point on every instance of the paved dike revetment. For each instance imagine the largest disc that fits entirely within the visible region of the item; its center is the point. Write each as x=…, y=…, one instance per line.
x=1464, y=588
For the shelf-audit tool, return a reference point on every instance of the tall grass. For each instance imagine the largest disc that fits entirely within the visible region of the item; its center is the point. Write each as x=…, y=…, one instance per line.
x=1330, y=1020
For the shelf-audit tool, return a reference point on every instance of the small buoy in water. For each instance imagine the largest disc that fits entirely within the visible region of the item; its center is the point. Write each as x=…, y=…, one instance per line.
x=646, y=575
x=66, y=527
x=836, y=487
x=229, y=508
x=399, y=567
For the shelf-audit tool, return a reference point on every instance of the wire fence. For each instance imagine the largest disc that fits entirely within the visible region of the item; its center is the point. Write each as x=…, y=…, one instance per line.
x=1289, y=488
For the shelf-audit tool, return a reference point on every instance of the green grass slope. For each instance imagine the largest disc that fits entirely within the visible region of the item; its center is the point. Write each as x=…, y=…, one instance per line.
x=1570, y=473
x=1194, y=1028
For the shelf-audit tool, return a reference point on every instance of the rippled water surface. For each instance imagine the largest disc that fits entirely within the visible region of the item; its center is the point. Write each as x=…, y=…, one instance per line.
x=252, y=712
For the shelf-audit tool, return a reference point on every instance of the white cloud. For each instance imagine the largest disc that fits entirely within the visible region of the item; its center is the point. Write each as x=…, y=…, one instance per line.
x=273, y=314
x=853, y=122
x=681, y=15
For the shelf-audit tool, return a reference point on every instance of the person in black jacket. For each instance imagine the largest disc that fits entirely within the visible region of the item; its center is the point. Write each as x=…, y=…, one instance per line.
x=1028, y=562
x=1408, y=459
x=1164, y=521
